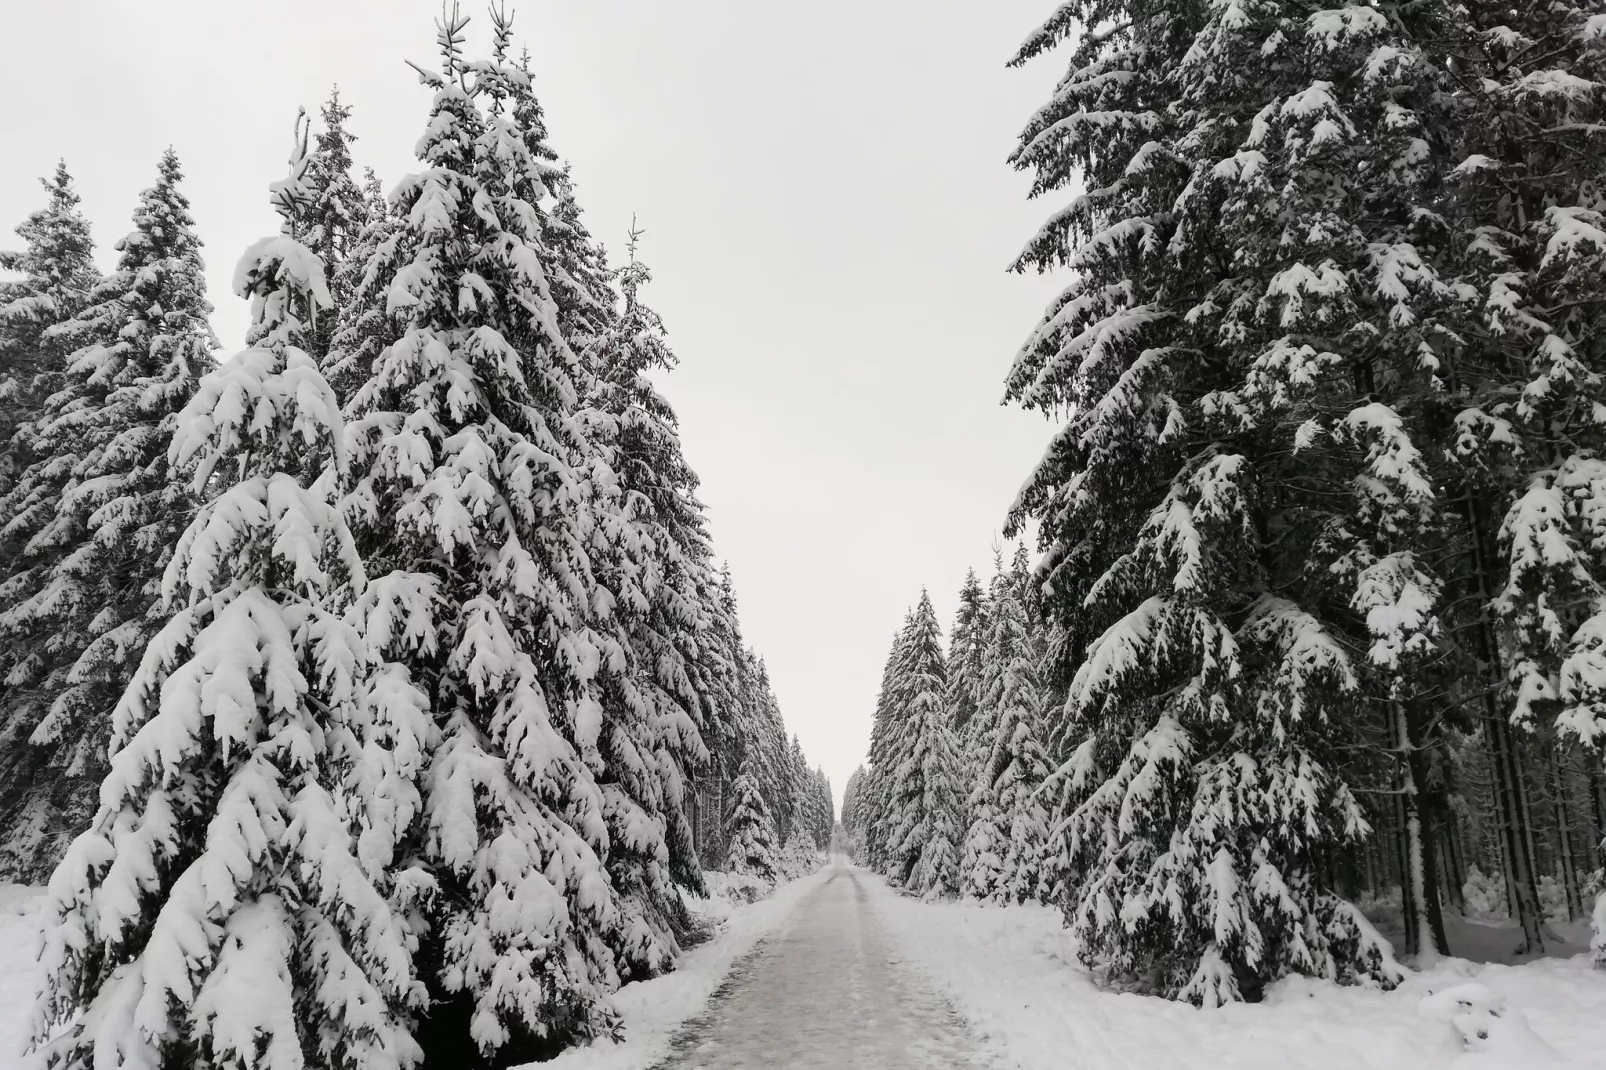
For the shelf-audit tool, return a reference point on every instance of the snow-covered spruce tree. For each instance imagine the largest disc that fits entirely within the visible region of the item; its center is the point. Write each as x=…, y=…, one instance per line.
x=749, y=830
x=967, y=644
x=799, y=856
x=983, y=843
x=57, y=269
x=479, y=492
x=1013, y=767
x=336, y=216
x=886, y=741
x=1204, y=343
x=724, y=665
x=684, y=670
x=922, y=843
x=363, y=319
x=822, y=809
x=233, y=903
x=54, y=275
x=855, y=813
x=1528, y=451
x=764, y=740
x=581, y=283
x=104, y=506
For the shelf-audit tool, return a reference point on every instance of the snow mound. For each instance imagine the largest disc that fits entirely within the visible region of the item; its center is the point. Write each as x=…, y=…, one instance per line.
x=1488, y=1026
x=19, y=969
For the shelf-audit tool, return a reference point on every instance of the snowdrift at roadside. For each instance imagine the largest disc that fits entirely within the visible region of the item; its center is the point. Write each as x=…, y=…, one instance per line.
x=652, y=1010
x=1013, y=974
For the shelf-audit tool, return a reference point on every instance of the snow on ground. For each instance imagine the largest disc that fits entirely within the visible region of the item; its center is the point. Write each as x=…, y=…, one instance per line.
x=19, y=972
x=1012, y=972
x=653, y=1010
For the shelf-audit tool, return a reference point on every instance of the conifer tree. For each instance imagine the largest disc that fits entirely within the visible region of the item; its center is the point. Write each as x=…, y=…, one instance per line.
x=57, y=271
x=967, y=643
x=1203, y=344
x=724, y=666
x=363, y=322
x=922, y=842
x=103, y=508
x=672, y=633
x=481, y=505
x=1015, y=766
x=234, y=902
x=749, y=830
x=985, y=841
x=336, y=216
x=56, y=274
x=1527, y=453
x=886, y=742
x=581, y=283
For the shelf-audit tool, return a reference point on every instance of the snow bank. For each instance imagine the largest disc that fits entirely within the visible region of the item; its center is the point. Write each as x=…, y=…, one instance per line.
x=19, y=969
x=653, y=1010
x=1012, y=972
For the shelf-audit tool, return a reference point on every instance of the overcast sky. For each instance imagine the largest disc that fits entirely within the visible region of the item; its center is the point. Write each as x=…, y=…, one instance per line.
x=827, y=211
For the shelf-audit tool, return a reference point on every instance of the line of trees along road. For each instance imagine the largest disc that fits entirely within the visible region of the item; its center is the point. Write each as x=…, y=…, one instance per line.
x=382, y=670
x=1320, y=606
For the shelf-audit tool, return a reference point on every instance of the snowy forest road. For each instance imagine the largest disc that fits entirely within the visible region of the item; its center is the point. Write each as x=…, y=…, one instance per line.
x=827, y=992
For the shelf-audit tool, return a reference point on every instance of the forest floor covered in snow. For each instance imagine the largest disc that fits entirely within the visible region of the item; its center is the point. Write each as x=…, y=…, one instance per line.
x=1012, y=972
x=19, y=972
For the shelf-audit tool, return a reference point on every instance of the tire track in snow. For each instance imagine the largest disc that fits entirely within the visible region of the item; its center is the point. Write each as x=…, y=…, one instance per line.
x=824, y=995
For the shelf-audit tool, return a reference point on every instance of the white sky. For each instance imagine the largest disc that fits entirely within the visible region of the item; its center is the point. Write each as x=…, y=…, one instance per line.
x=827, y=209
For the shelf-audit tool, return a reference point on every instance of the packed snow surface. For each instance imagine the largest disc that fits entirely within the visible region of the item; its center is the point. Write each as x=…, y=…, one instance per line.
x=826, y=992
x=653, y=1011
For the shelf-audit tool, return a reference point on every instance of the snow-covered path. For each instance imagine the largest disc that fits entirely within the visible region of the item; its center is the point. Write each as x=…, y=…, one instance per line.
x=825, y=992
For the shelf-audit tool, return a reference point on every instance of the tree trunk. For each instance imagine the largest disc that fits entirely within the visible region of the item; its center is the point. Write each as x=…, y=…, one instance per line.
x=1454, y=864
x=1564, y=840
x=1597, y=798
x=1419, y=884
x=1515, y=828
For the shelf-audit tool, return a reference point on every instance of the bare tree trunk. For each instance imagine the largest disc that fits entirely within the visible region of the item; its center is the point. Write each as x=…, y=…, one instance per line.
x=1515, y=827
x=1419, y=884
x=1597, y=798
x=1454, y=864
x=1564, y=840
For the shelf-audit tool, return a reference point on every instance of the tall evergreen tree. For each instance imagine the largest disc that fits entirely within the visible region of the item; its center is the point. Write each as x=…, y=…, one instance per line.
x=57, y=271
x=363, y=320
x=750, y=831
x=336, y=215
x=886, y=742
x=984, y=843
x=1203, y=344
x=233, y=903
x=1527, y=451
x=922, y=841
x=673, y=633
x=102, y=508
x=1015, y=766
x=481, y=504
x=967, y=645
